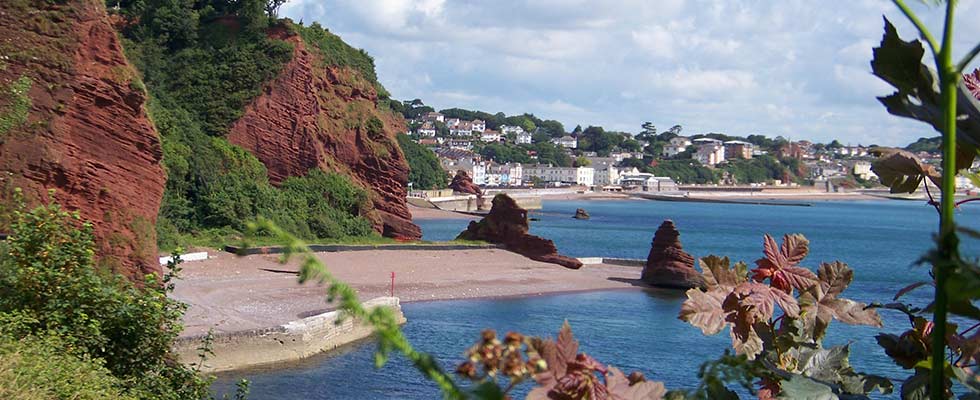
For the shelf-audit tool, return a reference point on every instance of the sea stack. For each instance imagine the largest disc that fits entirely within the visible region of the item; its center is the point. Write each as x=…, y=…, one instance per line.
x=507, y=224
x=581, y=214
x=668, y=265
x=463, y=183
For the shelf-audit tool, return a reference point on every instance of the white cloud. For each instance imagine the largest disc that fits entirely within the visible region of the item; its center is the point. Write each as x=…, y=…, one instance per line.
x=796, y=68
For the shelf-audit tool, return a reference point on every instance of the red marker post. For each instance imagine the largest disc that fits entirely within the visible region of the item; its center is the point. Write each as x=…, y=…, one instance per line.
x=392, y=293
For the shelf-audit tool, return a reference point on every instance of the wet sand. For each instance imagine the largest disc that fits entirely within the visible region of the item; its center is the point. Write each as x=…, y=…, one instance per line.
x=233, y=294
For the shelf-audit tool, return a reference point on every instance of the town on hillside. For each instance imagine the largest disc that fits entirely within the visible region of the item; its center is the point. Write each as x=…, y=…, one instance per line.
x=498, y=151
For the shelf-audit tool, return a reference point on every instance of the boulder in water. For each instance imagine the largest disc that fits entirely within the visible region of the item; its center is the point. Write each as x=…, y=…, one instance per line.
x=668, y=265
x=581, y=214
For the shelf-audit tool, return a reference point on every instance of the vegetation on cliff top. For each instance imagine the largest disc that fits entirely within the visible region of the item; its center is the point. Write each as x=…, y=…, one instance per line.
x=202, y=63
x=424, y=169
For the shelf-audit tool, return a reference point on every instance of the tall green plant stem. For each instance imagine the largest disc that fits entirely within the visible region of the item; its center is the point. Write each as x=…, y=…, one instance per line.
x=948, y=79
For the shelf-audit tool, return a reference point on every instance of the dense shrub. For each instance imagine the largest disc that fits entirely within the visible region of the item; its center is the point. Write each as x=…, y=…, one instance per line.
x=38, y=368
x=54, y=301
x=424, y=169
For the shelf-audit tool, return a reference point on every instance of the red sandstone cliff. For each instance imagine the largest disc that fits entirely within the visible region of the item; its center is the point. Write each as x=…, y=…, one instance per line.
x=86, y=134
x=311, y=116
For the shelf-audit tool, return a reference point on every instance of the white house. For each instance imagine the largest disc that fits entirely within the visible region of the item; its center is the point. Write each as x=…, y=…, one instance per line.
x=476, y=168
x=465, y=144
x=676, y=145
x=452, y=122
x=569, y=175
x=428, y=129
x=863, y=170
x=490, y=136
x=478, y=125
x=504, y=174
x=523, y=137
x=508, y=129
x=566, y=141
x=608, y=174
x=710, y=153
x=648, y=182
x=464, y=128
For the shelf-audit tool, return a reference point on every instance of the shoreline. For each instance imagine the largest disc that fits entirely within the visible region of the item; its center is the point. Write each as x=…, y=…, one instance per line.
x=248, y=301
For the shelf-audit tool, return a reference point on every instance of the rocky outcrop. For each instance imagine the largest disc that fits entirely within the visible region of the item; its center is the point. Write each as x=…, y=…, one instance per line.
x=581, y=214
x=463, y=183
x=507, y=224
x=314, y=116
x=72, y=119
x=668, y=265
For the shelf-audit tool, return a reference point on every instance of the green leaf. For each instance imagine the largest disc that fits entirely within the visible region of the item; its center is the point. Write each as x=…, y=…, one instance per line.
x=899, y=63
x=488, y=391
x=916, y=387
x=799, y=387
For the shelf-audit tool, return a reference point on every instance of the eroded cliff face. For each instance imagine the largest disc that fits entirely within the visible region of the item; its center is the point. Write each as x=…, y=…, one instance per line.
x=313, y=116
x=72, y=119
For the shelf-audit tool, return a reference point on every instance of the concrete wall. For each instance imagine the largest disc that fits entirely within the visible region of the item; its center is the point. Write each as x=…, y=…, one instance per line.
x=288, y=342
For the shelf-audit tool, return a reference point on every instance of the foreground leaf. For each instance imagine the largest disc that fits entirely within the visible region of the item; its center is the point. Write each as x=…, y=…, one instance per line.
x=704, y=310
x=781, y=264
x=716, y=272
x=820, y=303
x=620, y=389
x=901, y=170
x=800, y=387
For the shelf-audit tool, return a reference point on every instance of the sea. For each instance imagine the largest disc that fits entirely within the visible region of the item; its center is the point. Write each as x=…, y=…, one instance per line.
x=638, y=330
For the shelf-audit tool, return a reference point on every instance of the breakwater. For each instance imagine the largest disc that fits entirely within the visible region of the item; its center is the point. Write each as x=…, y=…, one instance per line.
x=291, y=341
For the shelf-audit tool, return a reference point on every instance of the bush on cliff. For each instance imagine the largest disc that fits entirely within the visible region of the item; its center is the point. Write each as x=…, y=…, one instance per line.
x=108, y=335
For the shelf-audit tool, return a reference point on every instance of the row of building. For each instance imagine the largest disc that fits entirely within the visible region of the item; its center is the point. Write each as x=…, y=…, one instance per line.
x=463, y=133
x=602, y=174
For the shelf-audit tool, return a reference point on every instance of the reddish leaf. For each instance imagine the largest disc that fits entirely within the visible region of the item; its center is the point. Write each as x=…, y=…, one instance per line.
x=821, y=304
x=972, y=82
x=620, y=389
x=901, y=170
x=750, y=345
x=835, y=277
x=909, y=288
x=780, y=264
x=703, y=310
x=567, y=348
x=716, y=272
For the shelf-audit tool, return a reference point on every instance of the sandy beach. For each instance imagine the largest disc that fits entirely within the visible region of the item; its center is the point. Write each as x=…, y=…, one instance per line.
x=231, y=294
x=433, y=213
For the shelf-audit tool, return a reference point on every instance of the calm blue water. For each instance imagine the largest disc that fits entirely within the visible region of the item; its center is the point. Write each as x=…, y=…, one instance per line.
x=637, y=329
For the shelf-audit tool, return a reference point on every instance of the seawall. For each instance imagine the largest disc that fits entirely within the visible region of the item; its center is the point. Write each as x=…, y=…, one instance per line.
x=291, y=341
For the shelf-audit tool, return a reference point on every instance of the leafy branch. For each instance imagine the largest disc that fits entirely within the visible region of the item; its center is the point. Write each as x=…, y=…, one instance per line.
x=782, y=350
x=898, y=63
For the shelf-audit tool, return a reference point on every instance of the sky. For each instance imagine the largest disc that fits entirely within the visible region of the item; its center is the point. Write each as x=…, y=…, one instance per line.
x=795, y=68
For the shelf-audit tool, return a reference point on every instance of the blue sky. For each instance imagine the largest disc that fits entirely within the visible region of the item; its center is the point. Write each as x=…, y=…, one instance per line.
x=797, y=68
